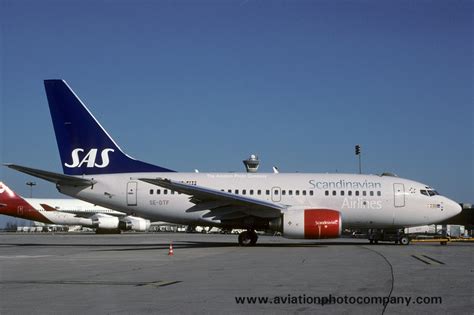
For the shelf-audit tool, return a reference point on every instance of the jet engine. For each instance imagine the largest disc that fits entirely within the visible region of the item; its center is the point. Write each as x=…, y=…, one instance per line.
x=104, y=221
x=134, y=223
x=309, y=223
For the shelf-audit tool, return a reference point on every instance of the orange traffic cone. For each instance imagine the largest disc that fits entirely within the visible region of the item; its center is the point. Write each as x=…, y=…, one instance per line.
x=170, y=252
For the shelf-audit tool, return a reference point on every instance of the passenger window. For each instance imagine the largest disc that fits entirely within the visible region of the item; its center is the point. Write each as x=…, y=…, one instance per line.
x=349, y=193
x=326, y=192
x=172, y=192
x=251, y=191
x=304, y=192
x=297, y=192
x=259, y=192
x=283, y=192
x=267, y=192
x=275, y=192
x=244, y=191
x=311, y=192
x=364, y=193
x=165, y=191
x=334, y=192
x=229, y=191
x=290, y=192
x=379, y=193
x=342, y=192
x=151, y=191
x=158, y=191
x=357, y=193
x=371, y=193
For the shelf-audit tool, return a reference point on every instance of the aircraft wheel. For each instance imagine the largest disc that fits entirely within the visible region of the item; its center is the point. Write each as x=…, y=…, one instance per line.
x=404, y=240
x=248, y=238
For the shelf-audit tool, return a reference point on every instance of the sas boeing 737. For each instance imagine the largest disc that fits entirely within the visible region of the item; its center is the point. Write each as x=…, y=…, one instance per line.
x=311, y=206
x=68, y=212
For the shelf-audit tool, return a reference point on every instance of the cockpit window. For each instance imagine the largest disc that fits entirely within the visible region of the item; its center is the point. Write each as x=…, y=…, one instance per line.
x=430, y=192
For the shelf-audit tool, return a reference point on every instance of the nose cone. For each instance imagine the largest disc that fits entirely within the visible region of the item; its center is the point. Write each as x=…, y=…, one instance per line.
x=453, y=208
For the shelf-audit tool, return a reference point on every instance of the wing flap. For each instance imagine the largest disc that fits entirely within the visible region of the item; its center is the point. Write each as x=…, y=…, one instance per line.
x=231, y=216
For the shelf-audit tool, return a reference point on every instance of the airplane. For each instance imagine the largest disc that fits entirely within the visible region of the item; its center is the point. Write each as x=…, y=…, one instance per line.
x=68, y=212
x=298, y=205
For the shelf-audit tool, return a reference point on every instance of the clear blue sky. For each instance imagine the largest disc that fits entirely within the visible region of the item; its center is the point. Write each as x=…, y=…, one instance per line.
x=202, y=84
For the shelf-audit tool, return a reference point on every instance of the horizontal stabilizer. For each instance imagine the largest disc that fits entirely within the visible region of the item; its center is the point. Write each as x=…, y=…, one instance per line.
x=56, y=178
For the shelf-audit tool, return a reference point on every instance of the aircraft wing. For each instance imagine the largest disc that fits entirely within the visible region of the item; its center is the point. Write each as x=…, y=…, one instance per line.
x=59, y=179
x=223, y=205
x=80, y=215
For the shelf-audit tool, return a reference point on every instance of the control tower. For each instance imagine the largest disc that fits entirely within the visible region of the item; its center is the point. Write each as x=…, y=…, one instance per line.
x=251, y=164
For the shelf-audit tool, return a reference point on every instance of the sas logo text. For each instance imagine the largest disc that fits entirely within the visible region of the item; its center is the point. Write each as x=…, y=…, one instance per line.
x=89, y=159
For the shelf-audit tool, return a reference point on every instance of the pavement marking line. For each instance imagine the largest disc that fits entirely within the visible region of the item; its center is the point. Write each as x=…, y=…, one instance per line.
x=158, y=284
x=427, y=260
x=418, y=257
x=155, y=284
x=435, y=260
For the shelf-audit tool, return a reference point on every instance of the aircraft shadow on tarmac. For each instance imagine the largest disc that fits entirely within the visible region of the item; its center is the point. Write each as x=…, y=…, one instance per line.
x=185, y=245
x=200, y=244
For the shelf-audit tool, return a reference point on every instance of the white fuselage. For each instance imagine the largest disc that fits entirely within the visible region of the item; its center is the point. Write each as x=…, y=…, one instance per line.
x=70, y=211
x=365, y=201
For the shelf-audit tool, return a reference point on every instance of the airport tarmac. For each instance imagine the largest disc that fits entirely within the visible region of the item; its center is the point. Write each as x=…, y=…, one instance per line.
x=132, y=273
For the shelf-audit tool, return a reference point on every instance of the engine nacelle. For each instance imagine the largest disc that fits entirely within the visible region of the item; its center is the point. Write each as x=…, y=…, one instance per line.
x=312, y=223
x=105, y=222
x=134, y=223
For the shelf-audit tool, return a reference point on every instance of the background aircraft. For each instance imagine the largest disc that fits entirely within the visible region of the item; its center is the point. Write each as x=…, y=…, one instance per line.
x=68, y=212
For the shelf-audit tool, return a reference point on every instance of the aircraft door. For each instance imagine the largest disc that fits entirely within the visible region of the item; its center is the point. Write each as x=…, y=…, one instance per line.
x=132, y=193
x=276, y=194
x=399, y=195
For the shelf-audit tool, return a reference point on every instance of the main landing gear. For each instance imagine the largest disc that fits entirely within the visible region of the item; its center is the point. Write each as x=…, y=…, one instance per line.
x=248, y=238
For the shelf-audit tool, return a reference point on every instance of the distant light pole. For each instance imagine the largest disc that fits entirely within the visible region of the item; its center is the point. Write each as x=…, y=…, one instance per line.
x=357, y=152
x=31, y=184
